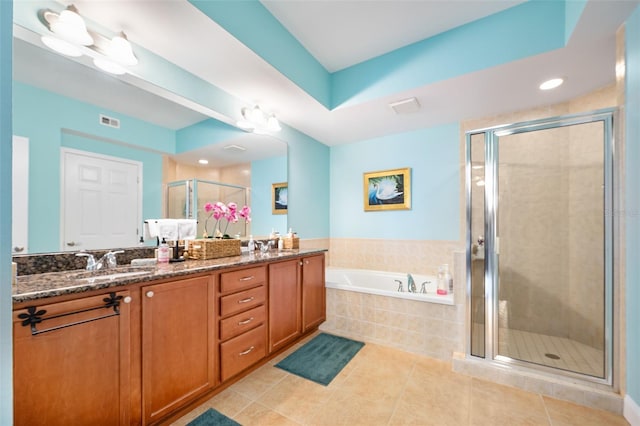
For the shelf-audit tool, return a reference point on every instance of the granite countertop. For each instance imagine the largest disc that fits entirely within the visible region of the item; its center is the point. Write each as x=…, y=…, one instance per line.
x=41, y=286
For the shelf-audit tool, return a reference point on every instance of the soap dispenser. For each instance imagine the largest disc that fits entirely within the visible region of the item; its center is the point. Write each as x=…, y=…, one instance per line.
x=163, y=252
x=251, y=245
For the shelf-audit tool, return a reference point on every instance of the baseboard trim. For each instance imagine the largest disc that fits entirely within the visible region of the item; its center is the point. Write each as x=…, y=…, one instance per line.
x=631, y=411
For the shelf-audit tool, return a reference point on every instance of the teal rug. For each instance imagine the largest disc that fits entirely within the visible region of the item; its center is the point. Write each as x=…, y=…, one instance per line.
x=322, y=358
x=212, y=417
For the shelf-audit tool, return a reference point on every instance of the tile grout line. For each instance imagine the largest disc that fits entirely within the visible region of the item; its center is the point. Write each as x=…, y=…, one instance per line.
x=401, y=393
x=546, y=409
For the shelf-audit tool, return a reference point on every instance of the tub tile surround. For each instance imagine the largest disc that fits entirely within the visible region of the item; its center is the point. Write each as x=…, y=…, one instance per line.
x=424, y=328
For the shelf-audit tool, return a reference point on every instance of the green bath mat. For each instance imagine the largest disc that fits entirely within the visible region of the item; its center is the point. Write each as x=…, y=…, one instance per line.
x=212, y=417
x=322, y=358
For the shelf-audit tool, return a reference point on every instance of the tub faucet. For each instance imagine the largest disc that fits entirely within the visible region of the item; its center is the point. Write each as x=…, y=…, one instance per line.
x=411, y=284
x=400, y=289
x=423, y=288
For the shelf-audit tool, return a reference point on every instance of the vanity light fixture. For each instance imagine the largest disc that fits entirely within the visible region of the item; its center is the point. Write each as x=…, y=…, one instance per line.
x=551, y=84
x=70, y=36
x=255, y=120
x=69, y=26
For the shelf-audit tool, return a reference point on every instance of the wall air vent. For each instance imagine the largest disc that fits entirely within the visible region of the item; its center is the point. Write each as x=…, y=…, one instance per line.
x=109, y=121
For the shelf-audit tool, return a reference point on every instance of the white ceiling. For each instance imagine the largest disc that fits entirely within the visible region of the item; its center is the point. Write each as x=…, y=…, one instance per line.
x=343, y=33
x=340, y=33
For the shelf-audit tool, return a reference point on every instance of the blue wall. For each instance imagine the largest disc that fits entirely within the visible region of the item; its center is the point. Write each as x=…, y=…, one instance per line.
x=55, y=115
x=632, y=153
x=433, y=155
x=6, y=340
x=263, y=174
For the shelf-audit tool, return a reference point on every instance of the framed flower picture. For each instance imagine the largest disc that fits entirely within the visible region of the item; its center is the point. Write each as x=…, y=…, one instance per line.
x=387, y=190
x=279, y=192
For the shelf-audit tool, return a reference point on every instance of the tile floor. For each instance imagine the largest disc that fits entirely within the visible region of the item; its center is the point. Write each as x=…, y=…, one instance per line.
x=384, y=386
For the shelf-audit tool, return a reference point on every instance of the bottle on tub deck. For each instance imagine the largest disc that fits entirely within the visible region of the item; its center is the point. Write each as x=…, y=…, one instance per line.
x=443, y=285
x=448, y=278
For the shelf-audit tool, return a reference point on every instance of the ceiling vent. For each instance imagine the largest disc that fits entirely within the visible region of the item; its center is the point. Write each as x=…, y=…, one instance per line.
x=109, y=121
x=405, y=106
x=234, y=147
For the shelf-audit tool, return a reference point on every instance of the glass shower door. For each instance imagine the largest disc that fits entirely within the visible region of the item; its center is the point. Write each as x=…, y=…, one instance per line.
x=540, y=244
x=550, y=247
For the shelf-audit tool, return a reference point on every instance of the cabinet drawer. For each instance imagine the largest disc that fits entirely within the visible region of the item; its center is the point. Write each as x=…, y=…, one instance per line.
x=242, y=352
x=241, y=322
x=241, y=301
x=244, y=278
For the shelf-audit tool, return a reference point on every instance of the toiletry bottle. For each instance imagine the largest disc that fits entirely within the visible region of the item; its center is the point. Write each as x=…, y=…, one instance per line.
x=163, y=252
x=448, y=279
x=251, y=245
x=443, y=286
x=280, y=244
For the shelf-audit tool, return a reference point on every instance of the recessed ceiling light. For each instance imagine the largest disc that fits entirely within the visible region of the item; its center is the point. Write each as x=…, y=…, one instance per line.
x=551, y=84
x=203, y=161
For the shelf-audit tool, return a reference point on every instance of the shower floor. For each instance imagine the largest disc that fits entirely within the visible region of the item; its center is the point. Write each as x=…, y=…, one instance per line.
x=535, y=348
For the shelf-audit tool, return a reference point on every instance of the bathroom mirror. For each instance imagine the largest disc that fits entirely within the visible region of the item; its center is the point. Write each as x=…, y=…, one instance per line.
x=59, y=103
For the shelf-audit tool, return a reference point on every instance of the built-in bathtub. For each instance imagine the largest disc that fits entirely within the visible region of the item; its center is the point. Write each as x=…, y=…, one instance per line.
x=385, y=284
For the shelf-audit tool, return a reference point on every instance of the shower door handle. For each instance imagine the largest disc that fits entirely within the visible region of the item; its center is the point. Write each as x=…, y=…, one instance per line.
x=497, y=245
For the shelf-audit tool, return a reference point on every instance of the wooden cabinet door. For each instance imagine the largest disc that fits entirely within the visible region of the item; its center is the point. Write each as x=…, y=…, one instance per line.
x=72, y=368
x=284, y=303
x=178, y=346
x=313, y=292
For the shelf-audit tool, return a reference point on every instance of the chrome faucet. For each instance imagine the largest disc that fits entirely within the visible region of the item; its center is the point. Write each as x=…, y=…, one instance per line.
x=411, y=284
x=107, y=261
x=400, y=289
x=423, y=287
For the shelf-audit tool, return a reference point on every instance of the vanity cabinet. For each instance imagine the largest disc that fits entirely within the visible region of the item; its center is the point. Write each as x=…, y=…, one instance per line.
x=71, y=362
x=313, y=292
x=178, y=343
x=284, y=303
x=297, y=299
x=242, y=319
x=139, y=354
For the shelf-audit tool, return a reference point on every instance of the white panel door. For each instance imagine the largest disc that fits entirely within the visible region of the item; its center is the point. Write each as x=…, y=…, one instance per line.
x=101, y=200
x=20, y=196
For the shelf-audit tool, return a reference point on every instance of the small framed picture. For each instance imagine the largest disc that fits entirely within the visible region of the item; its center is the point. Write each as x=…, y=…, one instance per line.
x=387, y=190
x=279, y=192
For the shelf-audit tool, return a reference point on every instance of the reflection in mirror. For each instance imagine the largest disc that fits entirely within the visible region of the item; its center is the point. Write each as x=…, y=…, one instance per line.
x=61, y=104
x=186, y=199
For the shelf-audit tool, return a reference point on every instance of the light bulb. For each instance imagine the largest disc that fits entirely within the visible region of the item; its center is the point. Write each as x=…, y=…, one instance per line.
x=120, y=51
x=71, y=27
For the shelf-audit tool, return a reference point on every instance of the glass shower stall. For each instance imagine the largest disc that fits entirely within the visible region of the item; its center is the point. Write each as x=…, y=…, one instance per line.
x=540, y=244
x=186, y=200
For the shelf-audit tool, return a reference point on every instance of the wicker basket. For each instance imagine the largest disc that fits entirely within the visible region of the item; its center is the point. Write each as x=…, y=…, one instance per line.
x=291, y=243
x=212, y=248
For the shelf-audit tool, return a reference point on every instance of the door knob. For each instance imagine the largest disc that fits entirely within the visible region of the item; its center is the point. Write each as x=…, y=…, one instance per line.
x=150, y=293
